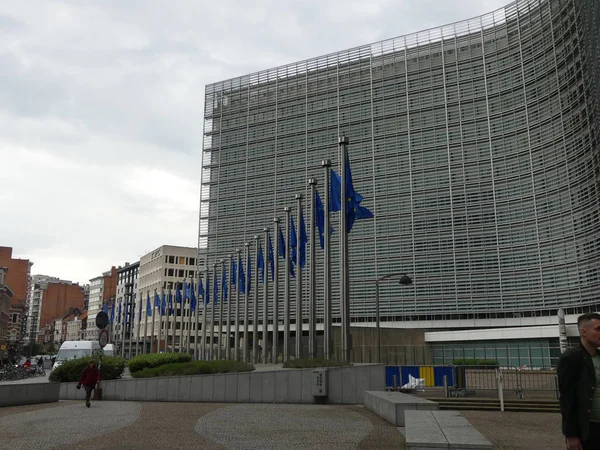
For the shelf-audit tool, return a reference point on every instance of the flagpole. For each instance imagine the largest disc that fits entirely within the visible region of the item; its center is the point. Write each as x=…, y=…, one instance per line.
x=246, y=302
x=344, y=278
x=212, y=311
x=174, y=319
x=197, y=319
x=286, y=288
x=228, y=320
x=220, y=335
x=255, y=355
x=265, y=327
x=312, y=335
x=122, y=324
x=145, y=323
x=189, y=317
x=152, y=327
x=205, y=311
x=327, y=337
x=181, y=317
x=275, y=345
x=160, y=320
x=236, y=347
x=299, y=198
x=131, y=319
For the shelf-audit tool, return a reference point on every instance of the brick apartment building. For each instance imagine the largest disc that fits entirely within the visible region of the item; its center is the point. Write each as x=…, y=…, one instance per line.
x=18, y=279
x=58, y=300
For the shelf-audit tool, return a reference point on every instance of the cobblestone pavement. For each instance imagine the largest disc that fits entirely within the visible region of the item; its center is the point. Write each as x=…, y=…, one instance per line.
x=256, y=427
x=48, y=428
x=132, y=426
x=519, y=430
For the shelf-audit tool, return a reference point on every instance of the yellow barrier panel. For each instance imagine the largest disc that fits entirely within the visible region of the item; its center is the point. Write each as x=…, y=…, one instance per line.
x=426, y=372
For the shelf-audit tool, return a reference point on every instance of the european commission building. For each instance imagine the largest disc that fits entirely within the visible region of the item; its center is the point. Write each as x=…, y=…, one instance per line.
x=476, y=145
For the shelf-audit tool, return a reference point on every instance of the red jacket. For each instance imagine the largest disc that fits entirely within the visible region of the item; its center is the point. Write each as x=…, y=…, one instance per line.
x=90, y=377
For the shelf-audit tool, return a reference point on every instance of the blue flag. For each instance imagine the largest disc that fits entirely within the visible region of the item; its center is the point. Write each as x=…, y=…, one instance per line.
x=207, y=290
x=156, y=300
x=187, y=287
x=201, y=292
x=170, y=302
x=178, y=294
x=249, y=270
x=216, y=290
x=112, y=313
x=320, y=219
x=193, y=298
x=148, y=305
x=224, y=284
x=119, y=313
x=303, y=241
x=233, y=273
x=163, y=303
x=105, y=308
x=242, y=277
x=271, y=259
x=281, y=244
x=260, y=263
x=293, y=240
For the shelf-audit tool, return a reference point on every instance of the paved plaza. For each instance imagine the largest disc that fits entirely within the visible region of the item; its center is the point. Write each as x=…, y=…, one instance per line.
x=152, y=425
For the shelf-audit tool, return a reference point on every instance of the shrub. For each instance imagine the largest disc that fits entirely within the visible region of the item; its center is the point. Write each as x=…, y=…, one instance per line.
x=152, y=360
x=193, y=368
x=70, y=371
x=475, y=362
x=305, y=363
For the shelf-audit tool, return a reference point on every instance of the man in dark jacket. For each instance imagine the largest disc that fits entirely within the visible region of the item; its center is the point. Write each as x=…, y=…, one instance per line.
x=579, y=384
x=90, y=378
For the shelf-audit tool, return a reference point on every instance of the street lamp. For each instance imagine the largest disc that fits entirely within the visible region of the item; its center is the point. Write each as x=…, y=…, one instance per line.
x=404, y=280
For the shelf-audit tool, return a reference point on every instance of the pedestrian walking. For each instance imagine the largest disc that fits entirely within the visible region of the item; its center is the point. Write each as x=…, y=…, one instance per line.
x=90, y=379
x=579, y=384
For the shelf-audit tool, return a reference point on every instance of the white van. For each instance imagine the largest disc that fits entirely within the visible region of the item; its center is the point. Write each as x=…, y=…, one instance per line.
x=109, y=350
x=75, y=349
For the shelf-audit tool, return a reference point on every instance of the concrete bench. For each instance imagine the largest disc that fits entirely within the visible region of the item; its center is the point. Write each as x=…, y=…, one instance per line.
x=28, y=394
x=392, y=405
x=442, y=429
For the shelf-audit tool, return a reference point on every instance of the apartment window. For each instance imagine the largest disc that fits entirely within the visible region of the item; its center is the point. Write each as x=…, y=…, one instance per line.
x=14, y=318
x=171, y=260
x=171, y=272
x=181, y=273
x=182, y=260
x=192, y=261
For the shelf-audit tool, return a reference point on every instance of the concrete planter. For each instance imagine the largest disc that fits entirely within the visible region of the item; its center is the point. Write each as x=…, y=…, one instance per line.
x=347, y=385
x=28, y=394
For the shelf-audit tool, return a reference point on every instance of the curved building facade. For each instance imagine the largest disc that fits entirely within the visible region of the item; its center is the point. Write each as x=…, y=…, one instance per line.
x=476, y=145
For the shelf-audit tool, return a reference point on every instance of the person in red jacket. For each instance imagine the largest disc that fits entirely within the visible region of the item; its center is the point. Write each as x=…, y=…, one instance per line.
x=90, y=378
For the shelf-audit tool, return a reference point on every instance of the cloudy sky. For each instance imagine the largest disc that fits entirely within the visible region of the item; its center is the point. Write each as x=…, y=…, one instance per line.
x=101, y=107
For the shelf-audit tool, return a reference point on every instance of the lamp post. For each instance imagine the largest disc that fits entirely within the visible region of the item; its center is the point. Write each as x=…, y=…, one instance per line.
x=404, y=280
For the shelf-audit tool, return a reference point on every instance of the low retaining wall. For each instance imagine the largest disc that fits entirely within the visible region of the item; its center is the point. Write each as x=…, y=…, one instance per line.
x=28, y=394
x=347, y=385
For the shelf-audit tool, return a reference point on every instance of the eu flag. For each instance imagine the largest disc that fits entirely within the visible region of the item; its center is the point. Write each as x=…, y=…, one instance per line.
x=163, y=303
x=119, y=313
x=216, y=290
x=303, y=241
x=105, y=308
x=242, y=277
x=201, y=290
x=233, y=273
x=156, y=300
x=249, y=270
x=320, y=218
x=186, y=290
x=112, y=313
x=293, y=239
x=261, y=263
x=170, y=302
x=207, y=297
x=178, y=294
x=193, y=299
x=148, y=305
x=281, y=244
x=224, y=284
x=271, y=259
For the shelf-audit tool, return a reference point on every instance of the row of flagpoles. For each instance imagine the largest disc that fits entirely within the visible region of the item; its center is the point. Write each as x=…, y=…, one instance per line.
x=337, y=186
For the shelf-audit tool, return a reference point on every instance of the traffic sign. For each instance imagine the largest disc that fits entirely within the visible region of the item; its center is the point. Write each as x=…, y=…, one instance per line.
x=102, y=320
x=103, y=338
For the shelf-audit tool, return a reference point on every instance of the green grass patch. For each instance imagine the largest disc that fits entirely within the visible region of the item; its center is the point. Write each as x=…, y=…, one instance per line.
x=152, y=360
x=112, y=368
x=193, y=368
x=305, y=363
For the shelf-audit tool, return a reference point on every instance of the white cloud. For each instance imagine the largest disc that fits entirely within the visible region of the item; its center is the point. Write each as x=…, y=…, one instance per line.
x=101, y=107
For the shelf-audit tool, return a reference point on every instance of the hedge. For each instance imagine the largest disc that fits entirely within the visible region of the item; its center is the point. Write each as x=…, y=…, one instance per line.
x=152, y=360
x=193, y=368
x=112, y=368
x=305, y=363
x=475, y=362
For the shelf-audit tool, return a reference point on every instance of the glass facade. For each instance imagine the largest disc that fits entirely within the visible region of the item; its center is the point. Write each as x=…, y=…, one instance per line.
x=475, y=145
